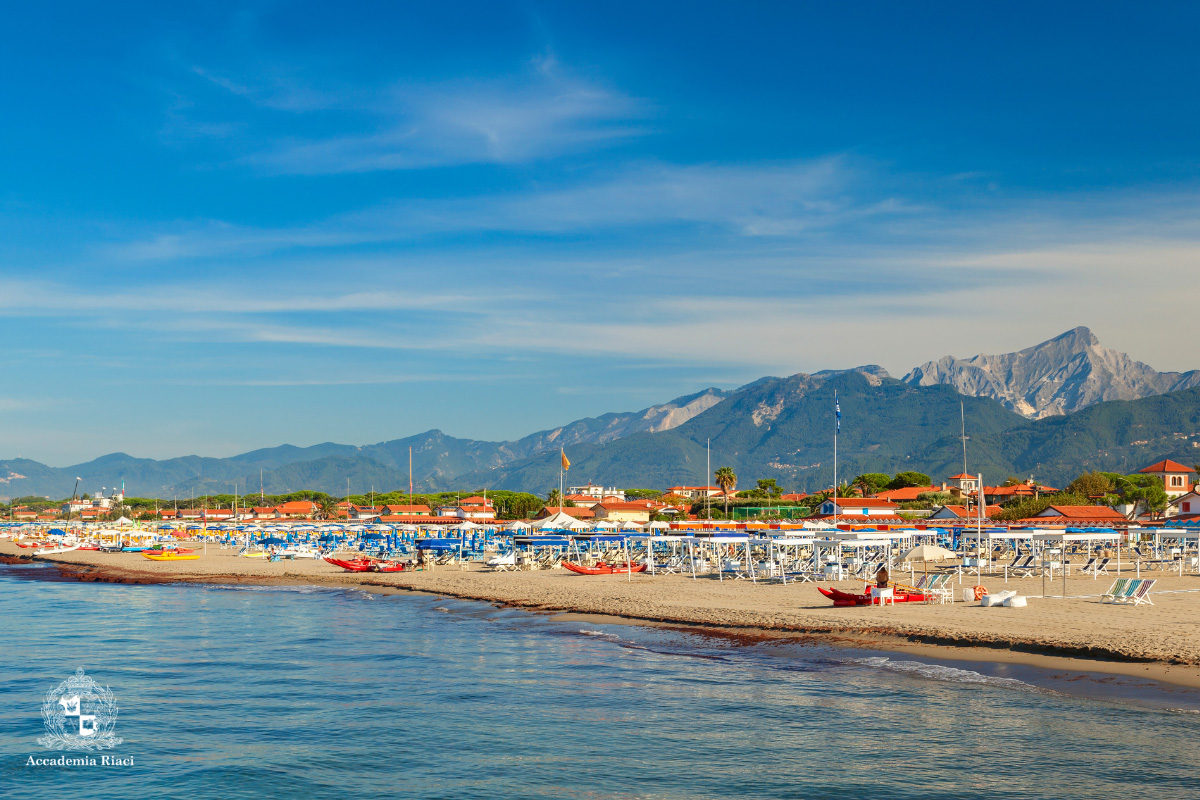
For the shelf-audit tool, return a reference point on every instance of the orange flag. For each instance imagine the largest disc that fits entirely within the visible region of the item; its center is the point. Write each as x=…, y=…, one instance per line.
x=565, y=463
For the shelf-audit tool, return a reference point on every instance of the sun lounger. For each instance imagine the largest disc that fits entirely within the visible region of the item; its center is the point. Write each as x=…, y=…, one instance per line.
x=939, y=589
x=1130, y=591
x=1142, y=593
x=1028, y=568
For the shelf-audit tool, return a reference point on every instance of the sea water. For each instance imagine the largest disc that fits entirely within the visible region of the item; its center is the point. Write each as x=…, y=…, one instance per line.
x=227, y=692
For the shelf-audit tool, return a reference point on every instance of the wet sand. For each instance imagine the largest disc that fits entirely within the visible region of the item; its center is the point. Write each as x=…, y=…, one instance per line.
x=1079, y=633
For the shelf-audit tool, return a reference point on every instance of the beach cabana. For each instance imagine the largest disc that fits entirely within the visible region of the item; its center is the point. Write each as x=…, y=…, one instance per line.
x=1064, y=537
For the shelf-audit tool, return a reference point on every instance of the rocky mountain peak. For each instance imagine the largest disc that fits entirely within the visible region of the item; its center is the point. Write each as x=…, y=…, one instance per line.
x=1064, y=374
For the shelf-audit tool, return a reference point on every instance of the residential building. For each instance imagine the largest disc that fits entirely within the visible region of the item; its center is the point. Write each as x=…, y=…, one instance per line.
x=961, y=512
x=571, y=511
x=696, y=492
x=1176, y=477
x=1091, y=516
x=963, y=483
x=633, y=511
x=906, y=494
x=858, y=506
x=407, y=511
x=597, y=493
x=1185, y=504
x=298, y=509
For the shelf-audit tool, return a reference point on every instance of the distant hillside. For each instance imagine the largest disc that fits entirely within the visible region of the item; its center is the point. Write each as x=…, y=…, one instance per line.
x=783, y=429
x=1065, y=374
x=438, y=460
x=778, y=428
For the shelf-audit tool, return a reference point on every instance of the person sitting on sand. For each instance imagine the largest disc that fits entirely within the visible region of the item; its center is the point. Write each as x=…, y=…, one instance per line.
x=881, y=577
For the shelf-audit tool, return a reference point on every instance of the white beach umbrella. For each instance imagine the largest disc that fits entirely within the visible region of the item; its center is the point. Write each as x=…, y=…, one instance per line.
x=659, y=526
x=929, y=552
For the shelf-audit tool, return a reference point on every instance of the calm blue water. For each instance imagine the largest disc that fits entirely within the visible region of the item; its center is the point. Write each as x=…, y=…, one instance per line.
x=309, y=693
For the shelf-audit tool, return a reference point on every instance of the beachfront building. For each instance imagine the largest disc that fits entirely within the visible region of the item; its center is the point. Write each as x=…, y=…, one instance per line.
x=698, y=492
x=418, y=510
x=632, y=511
x=1079, y=516
x=597, y=494
x=961, y=512
x=364, y=512
x=1176, y=477
x=858, y=507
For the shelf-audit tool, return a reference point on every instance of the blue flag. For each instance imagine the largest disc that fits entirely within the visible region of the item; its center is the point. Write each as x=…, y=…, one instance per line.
x=837, y=411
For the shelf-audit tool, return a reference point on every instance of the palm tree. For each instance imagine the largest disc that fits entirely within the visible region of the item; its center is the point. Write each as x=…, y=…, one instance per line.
x=726, y=479
x=554, y=499
x=326, y=508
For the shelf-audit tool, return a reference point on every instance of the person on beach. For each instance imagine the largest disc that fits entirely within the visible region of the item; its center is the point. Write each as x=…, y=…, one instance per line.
x=881, y=577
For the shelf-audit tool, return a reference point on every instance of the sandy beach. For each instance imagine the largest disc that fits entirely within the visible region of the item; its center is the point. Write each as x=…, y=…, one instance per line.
x=1079, y=632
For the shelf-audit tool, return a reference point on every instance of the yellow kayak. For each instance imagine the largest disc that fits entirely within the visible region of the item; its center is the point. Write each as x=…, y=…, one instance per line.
x=171, y=557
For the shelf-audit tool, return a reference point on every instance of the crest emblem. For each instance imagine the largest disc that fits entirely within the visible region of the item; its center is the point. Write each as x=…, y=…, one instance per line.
x=80, y=714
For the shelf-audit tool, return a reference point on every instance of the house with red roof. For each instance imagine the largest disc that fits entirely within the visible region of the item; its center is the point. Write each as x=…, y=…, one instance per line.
x=963, y=483
x=961, y=512
x=905, y=495
x=570, y=511
x=1176, y=477
x=298, y=509
x=631, y=511
x=858, y=506
x=1080, y=516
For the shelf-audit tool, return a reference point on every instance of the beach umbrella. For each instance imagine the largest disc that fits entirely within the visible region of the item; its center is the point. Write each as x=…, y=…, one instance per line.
x=929, y=552
x=272, y=540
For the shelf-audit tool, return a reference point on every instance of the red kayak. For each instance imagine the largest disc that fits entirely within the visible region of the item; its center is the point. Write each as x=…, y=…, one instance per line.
x=387, y=566
x=604, y=569
x=162, y=552
x=846, y=599
x=353, y=565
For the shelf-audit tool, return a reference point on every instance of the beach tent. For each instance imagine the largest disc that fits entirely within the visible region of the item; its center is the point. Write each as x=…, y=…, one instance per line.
x=519, y=525
x=560, y=522
x=659, y=526
x=606, y=525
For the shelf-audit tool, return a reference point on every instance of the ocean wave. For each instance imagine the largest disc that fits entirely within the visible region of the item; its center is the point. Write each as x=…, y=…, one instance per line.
x=939, y=672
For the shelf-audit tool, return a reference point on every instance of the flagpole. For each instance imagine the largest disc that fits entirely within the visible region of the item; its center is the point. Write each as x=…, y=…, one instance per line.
x=837, y=426
x=562, y=454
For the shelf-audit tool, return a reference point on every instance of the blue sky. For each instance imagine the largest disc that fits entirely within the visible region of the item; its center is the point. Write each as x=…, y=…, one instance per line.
x=241, y=225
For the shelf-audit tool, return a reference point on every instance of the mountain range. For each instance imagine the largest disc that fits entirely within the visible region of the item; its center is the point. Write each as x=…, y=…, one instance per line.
x=1067, y=373
x=1052, y=410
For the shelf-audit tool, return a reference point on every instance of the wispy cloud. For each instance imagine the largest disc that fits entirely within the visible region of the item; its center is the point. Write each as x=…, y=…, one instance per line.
x=773, y=200
x=543, y=111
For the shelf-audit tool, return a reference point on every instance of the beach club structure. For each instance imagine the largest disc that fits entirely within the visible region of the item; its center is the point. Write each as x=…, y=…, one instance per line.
x=787, y=552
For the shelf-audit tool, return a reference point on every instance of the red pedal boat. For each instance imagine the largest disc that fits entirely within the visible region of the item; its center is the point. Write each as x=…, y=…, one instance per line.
x=604, y=569
x=353, y=564
x=840, y=598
